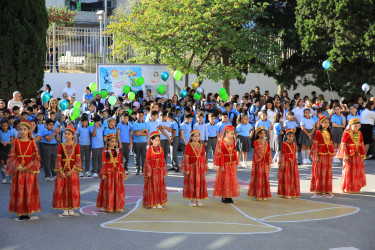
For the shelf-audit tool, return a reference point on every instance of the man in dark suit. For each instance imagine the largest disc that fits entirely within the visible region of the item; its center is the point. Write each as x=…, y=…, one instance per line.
x=98, y=105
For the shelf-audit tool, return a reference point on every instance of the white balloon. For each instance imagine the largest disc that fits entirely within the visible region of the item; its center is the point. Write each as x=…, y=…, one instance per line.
x=366, y=87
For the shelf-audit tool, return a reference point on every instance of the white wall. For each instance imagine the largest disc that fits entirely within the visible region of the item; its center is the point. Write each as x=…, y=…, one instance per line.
x=55, y=3
x=81, y=81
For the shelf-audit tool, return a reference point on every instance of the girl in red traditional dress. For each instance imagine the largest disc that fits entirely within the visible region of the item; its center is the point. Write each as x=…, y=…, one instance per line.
x=225, y=159
x=288, y=175
x=259, y=186
x=66, y=195
x=194, y=166
x=111, y=196
x=154, y=171
x=352, y=150
x=24, y=164
x=322, y=152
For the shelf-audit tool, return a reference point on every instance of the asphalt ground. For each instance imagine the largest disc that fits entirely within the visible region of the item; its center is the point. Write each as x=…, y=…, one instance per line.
x=354, y=231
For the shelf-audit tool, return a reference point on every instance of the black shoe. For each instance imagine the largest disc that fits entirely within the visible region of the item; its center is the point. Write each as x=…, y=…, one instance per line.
x=27, y=217
x=177, y=170
x=224, y=200
x=230, y=200
x=21, y=217
x=172, y=169
x=137, y=172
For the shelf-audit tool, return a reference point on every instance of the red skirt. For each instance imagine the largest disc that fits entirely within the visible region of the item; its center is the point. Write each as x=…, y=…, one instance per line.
x=353, y=175
x=66, y=194
x=288, y=179
x=155, y=190
x=111, y=196
x=259, y=186
x=321, y=175
x=24, y=194
x=195, y=186
x=226, y=183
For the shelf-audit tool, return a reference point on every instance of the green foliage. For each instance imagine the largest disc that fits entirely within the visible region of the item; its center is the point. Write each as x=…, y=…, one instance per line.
x=342, y=31
x=208, y=38
x=23, y=26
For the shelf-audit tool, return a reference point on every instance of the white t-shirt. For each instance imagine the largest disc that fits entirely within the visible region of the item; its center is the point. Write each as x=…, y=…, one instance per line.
x=70, y=91
x=367, y=117
x=165, y=96
x=298, y=114
x=13, y=103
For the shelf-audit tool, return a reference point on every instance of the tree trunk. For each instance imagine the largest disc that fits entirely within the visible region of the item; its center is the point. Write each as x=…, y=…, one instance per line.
x=280, y=90
x=187, y=80
x=225, y=84
x=225, y=61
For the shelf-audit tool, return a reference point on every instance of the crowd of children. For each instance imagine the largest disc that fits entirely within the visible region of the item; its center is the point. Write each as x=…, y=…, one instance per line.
x=155, y=130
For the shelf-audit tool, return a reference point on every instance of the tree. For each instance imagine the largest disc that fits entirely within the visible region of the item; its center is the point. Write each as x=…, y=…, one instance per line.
x=342, y=32
x=23, y=26
x=61, y=16
x=213, y=39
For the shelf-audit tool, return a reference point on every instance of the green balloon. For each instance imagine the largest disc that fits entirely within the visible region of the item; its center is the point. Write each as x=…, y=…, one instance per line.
x=112, y=100
x=93, y=87
x=161, y=89
x=197, y=96
x=224, y=97
x=131, y=96
x=140, y=80
x=74, y=114
x=77, y=104
x=177, y=75
x=95, y=93
x=91, y=123
x=104, y=93
x=222, y=91
x=129, y=111
x=126, y=89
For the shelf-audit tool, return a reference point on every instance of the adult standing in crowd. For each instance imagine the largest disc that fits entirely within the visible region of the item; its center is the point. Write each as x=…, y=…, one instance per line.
x=367, y=127
x=49, y=90
x=69, y=90
x=16, y=101
x=53, y=107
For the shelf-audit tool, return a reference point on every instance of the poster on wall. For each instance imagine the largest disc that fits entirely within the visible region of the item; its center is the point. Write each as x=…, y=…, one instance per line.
x=113, y=77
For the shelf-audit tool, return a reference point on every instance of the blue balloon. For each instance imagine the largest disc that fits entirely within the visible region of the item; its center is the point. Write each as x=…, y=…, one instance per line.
x=164, y=76
x=326, y=64
x=63, y=104
x=200, y=91
x=183, y=93
x=46, y=96
x=366, y=87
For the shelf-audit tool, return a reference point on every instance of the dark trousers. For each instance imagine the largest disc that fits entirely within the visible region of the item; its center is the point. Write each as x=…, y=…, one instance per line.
x=140, y=150
x=125, y=154
x=49, y=155
x=97, y=159
x=182, y=146
x=211, y=144
x=85, y=156
x=174, y=150
x=165, y=145
x=40, y=149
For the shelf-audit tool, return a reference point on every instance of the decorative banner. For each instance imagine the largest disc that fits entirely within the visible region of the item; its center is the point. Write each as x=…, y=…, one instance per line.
x=114, y=78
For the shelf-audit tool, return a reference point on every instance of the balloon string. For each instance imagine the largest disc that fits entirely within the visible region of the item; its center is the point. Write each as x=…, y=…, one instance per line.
x=329, y=81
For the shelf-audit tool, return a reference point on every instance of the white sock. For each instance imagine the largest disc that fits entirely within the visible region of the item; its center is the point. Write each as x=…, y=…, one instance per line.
x=303, y=154
x=308, y=154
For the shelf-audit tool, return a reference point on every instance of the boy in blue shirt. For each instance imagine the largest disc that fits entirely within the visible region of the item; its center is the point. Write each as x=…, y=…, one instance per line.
x=224, y=122
x=152, y=123
x=174, y=140
x=111, y=129
x=125, y=137
x=165, y=130
x=202, y=129
x=140, y=139
x=6, y=140
x=213, y=134
x=264, y=122
x=97, y=145
x=84, y=142
x=185, y=129
x=51, y=137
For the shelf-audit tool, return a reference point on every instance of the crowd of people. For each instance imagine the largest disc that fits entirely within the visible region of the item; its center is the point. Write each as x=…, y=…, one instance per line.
x=282, y=130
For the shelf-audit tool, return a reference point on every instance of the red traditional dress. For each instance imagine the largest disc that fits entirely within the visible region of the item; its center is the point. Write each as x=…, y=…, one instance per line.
x=225, y=158
x=24, y=164
x=322, y=152
x=259, y=186
x=288, y=175
x=111, y=196
x=352, y=150
x=66, y=194
x=194, y=161
x=155, y=190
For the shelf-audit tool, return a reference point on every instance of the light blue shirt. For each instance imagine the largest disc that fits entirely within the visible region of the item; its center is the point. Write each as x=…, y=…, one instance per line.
x=186, y=127
x=349, y=117
x=290, y=124
x=266, y=124
x=125, y=131
x=152, y=126
x=175, y=127
x=84, y=136
x=221, y=125
x=6, y=136
x=244, y=129
x=277, y=128
x=14, y=132
x=337, y=119
x=41, y=127
x=138, y=126
x=49, y=133
x=212, y=130
x=307, y=123
x=98, y=140
x=203, y=131
x=109, y=130
x=167, y=124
